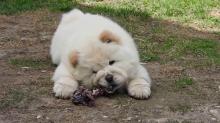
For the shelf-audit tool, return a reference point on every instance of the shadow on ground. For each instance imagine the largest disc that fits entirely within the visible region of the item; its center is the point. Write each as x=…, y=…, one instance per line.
x=26, y=91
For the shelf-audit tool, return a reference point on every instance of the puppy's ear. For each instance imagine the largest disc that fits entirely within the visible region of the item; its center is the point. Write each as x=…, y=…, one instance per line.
x=109, y=37
x=72, y=16
x=74, y=56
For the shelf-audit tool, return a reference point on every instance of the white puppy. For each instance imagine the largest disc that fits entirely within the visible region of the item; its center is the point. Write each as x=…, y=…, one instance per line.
x=94, y=51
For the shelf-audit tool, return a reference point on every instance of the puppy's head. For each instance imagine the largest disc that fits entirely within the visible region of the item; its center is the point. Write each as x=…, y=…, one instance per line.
x=98, y=60
x=94, y=64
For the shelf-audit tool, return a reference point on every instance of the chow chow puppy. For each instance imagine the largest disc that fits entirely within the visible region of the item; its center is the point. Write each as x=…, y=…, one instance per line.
x=92, y=50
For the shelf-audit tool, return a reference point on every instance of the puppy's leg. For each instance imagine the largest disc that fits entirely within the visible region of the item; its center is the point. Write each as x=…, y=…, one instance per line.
x=64, y=83
x=139, y=87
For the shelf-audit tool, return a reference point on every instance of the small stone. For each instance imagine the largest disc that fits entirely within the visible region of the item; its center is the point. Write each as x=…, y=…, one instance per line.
x=213, y=118
x=47, y=118
x=115, y=106
x=214, y=111
x=104, y=116
x=2, y=54
x=143, y=63
x=39, y=116
x=218, y=106
x=19, y=73
x=162, y=120
x=25, y=67
x=43, y=71
x=128, y=118
x=158, y=84
x=139, y=121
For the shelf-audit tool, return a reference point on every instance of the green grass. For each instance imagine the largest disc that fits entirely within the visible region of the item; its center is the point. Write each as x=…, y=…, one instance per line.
x=187, y=11
x=182, y=108
x=24, y=94
x=12, y=99
x=183, y=82
x=199, y=48
x=184, y=10
x=19, y=97
x=206, y=51
x=32, y=63
x=14, y=6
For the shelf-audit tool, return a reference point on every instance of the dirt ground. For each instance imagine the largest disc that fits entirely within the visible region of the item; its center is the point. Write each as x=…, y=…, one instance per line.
x=26, y=93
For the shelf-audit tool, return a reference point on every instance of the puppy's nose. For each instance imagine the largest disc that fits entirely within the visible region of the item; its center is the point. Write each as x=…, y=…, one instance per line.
x=109, y=78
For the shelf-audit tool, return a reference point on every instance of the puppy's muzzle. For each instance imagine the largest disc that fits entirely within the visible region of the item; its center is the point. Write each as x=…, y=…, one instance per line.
x=112, y=86
x=109, y=78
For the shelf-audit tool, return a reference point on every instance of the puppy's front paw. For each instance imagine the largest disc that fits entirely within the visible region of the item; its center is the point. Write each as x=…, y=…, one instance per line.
x=139, y=89
x=63, y=90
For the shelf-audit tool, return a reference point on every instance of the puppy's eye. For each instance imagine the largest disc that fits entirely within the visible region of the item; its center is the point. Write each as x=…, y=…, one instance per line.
x=108, y=41
x=93, y=71
x=111, y=62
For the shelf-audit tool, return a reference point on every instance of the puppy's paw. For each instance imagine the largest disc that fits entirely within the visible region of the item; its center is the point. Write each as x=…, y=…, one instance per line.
x=63, y=90
x=139, y=89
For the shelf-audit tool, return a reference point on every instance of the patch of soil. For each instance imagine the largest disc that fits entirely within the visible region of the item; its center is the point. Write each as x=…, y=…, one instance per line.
x=215, y=13
x=26, y=93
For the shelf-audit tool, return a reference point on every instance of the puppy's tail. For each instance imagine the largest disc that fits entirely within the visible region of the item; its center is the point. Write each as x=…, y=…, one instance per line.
x=72, y=16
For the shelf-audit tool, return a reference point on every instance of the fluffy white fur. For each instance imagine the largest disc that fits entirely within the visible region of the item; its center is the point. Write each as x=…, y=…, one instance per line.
x=83, y=56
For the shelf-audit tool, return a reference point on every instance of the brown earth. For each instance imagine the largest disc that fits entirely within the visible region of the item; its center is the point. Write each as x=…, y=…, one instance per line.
x=26, y=92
